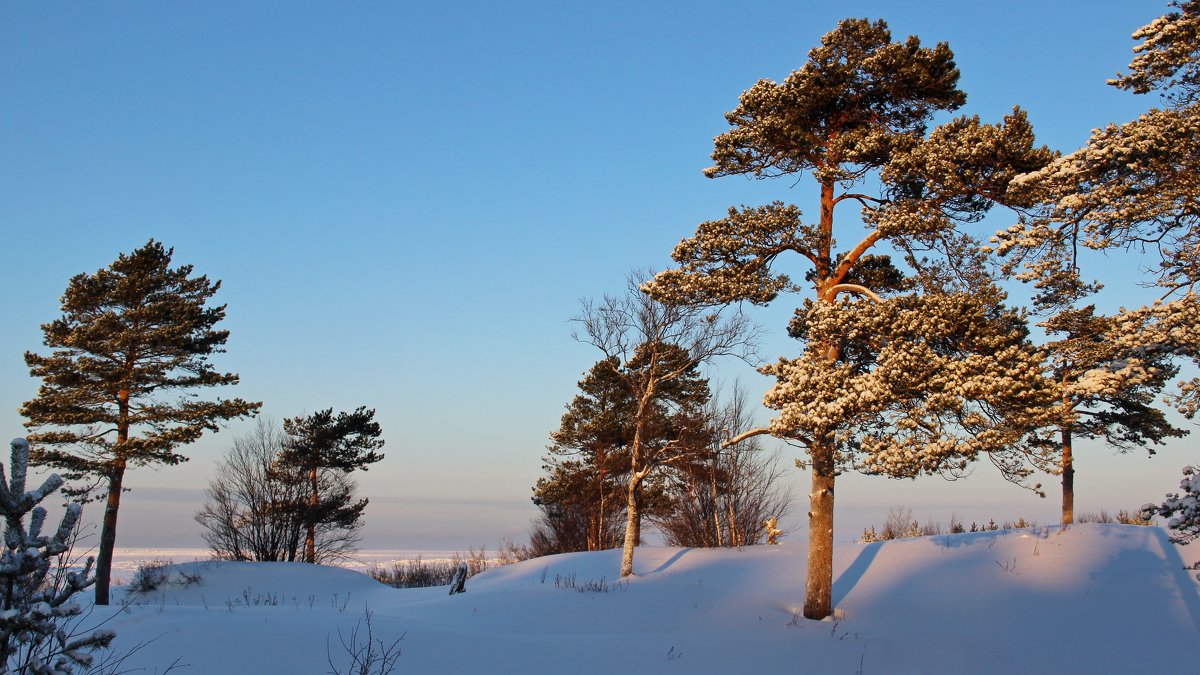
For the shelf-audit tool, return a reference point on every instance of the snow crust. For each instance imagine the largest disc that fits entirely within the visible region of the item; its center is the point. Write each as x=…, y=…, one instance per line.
x=1090, y=598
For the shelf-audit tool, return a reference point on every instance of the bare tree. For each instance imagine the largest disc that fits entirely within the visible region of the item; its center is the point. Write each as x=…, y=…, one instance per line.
x=255, y=508
x=725, y=496
x=659, y=347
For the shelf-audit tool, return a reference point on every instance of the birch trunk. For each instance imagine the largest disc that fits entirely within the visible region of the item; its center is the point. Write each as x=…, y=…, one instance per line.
x=631, y=529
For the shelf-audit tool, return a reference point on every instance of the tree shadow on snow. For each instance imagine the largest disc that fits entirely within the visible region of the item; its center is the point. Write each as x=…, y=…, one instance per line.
x=1187, y=587
x=854, y=573
x=672, y=560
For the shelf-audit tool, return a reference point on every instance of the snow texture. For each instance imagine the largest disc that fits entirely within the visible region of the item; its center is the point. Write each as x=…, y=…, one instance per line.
x=1090, y=598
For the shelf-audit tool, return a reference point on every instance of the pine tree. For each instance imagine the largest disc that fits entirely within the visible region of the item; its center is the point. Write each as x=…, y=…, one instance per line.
x=1107, y=380
x=903, y=372
x=324, y=442
x=1131, y=187
x=585, y=495
x=37, y=607
x=587, y=461
x=1181, y=509
x=130, y=335
x=1106, y=370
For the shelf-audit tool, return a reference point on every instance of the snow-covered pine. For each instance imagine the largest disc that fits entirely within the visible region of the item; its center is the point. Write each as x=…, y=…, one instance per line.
x=900, y=381
x=36, y=609
x=1181, y=509
x=1133, y=186
x=1168, y=59
x=1107, y=370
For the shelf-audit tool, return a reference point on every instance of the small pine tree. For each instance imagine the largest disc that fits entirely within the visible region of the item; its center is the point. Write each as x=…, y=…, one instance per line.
x=322, y=442
x=35, y=632
x=582, y=496
x=1182, y=511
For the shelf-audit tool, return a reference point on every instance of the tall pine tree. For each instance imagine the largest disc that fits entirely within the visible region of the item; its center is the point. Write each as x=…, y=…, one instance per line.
x=1131, y=187
x=119, y=386
x=903, y=372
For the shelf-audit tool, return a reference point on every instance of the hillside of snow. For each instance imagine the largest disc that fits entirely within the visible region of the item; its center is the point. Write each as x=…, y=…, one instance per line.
x=1090, y=598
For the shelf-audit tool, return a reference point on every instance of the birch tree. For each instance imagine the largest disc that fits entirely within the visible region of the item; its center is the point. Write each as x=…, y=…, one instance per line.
x=902, y=371
x=659, y=348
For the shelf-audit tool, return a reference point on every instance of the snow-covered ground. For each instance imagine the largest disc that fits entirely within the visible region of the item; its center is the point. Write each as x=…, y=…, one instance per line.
x=1088, y=599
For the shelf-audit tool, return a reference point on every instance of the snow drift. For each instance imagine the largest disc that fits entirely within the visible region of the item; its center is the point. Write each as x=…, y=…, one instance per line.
x=1089, y=598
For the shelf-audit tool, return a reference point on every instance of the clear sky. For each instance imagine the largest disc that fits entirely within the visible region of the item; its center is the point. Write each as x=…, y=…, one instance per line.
x=406, y=201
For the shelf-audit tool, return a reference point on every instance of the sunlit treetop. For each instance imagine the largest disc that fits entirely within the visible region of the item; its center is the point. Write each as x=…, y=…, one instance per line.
x=1168, y=58
x=827, y=116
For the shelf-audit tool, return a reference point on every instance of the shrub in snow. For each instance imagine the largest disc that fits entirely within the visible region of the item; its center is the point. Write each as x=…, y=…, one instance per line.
x=150, y=576
x=35, y=620
x=363, y=652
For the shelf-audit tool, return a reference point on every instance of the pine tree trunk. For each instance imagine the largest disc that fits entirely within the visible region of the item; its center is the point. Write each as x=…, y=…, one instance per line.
x=631, y=528
x=818, y=596
x=1068, y=479
x=108, y=532
x=116, y=479
x=601, y=534
x=818, y=599
x=310, y=537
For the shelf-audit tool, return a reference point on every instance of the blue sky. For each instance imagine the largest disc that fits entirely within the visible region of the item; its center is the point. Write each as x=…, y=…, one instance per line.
x=405, y=203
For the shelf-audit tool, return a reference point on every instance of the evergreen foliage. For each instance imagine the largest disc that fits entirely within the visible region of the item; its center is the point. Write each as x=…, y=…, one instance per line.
x=130, y=336
x=1131, y=187
x=1108, y=370
x=581, y=497
x=923, y=371
x=36, y=607
x=1181, y=509
x=322, y=442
